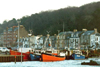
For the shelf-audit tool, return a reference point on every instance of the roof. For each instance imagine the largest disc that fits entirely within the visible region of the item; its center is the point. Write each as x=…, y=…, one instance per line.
x=61, y=33
x=15, y=28
x=88, y=32
x=78, y=32
x=43, y=37
x=53, y=37
x=65, y=33
x=97, y=34
x=71, y=37
x=11, y=29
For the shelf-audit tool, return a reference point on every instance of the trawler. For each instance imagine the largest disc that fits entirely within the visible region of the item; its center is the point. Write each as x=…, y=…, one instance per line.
x=51, y=54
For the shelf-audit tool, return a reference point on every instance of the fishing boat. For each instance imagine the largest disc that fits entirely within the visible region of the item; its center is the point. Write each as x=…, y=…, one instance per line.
x=25, y=52
x=51, y=58
x=51, y=54
x=77, y=55
x=35, y=56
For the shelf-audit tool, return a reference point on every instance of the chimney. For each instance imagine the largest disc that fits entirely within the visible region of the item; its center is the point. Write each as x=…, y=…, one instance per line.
x=41, y=35
x=75, y=30
x=84, y=30
x=95, y=30
x=21, y=26
x=54, y=34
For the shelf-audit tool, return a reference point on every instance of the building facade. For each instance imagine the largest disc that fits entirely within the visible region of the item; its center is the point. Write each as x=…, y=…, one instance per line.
x=1, y=39
x=11, y=35
x=90, y=39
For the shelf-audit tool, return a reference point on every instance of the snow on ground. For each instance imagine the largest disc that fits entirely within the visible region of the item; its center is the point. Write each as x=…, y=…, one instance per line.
x=66, y=63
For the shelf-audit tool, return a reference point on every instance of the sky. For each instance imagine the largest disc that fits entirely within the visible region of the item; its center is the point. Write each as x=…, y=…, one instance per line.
x=10, y=9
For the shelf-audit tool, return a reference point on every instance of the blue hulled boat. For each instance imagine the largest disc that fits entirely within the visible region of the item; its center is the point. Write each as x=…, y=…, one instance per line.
x=35, y=57
x=77, y=55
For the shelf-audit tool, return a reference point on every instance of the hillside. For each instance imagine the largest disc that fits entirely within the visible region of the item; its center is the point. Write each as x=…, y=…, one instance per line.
x=86, y=16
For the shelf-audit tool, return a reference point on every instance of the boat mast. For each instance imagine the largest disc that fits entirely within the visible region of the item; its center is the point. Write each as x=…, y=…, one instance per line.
x=46, y=39
x=18, y=32
x=49, y=38
x=30, y=36
x=58, y=42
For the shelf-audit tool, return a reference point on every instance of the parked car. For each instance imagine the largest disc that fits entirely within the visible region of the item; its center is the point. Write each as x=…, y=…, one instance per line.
x=4, y=50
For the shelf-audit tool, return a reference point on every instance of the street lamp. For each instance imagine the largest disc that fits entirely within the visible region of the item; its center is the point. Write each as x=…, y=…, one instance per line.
x=18, y=32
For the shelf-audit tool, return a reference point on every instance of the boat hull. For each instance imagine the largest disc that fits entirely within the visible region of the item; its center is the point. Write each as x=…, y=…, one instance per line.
x=26, y=55
x=51, y=58
x=34, y=57
x=77, y=56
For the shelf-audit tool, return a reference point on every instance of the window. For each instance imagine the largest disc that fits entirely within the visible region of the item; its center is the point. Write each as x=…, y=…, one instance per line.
x=76, y=40
x=71, y=35
x=14, y=38
x=74, y=35
x=71, y=40
x=97, y=38
x=77, y=34
x=88, y=33
x=63, y=37
x=4, y=48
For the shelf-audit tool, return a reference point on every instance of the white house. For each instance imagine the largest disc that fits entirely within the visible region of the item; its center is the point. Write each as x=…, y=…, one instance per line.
x=97, y=40
x=90, y=38
x=74, y=40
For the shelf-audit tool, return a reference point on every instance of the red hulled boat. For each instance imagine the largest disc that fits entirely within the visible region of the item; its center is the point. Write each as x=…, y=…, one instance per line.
x=25, y=54
x=50, y=58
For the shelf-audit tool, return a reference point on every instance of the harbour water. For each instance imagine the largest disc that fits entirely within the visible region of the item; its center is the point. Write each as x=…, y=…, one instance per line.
x=66, y=63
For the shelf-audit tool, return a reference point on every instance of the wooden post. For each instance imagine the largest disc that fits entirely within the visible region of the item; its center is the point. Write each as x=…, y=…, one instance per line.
x=15, y=59
x=21, y=54
x=87, y=55
x=68, y=55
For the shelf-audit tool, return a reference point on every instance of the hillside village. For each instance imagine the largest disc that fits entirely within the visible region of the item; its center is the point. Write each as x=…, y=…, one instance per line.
x=43, y=33
x=75, y=39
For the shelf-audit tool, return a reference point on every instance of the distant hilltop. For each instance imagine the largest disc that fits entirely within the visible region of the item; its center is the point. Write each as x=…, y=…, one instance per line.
x=86, y=16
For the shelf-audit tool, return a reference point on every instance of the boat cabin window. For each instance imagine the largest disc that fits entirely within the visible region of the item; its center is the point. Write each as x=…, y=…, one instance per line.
x=49, y=51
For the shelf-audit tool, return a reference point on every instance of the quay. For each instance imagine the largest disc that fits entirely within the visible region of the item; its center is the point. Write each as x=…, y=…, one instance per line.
x=10, y=58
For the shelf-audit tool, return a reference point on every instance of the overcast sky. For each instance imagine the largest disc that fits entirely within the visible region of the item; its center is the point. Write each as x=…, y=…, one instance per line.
x=18, y=8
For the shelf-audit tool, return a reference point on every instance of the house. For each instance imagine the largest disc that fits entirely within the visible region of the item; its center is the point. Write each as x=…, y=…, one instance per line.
x=11, y=34
x=90, y=38
x=23, y=42
x=42, y=40
x=97, y=40
x=73, y=41
x=60, y=40
x=35, y=41
x=63, y=39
